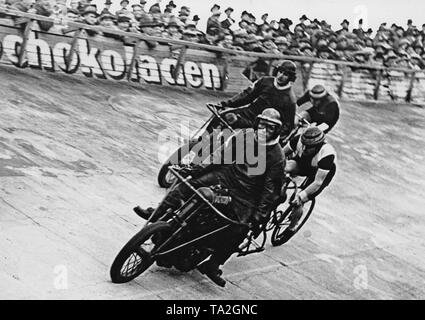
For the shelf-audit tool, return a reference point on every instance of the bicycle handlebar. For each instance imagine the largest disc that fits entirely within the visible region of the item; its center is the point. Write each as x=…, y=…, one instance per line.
x=303, y=119
x=213, y=108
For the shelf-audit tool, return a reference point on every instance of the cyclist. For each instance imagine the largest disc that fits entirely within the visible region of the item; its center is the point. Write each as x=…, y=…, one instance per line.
x=309, y=155
x=325, y=110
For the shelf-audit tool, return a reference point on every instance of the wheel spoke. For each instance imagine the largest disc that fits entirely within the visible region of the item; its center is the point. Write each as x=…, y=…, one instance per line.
x=170, y=178
x=188, y=159
x=130, y=266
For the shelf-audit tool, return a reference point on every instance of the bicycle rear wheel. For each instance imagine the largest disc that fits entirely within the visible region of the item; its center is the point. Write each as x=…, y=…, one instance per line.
x=281, y=234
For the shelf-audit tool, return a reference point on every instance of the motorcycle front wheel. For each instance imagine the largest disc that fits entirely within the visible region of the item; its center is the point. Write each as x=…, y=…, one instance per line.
x=135, y=258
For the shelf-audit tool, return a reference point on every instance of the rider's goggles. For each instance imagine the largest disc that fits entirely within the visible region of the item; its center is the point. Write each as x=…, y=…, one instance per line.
x=266, y=125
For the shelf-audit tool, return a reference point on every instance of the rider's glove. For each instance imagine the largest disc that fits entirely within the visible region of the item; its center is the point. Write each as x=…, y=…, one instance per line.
x=223, y=105
x=300, y=199
x=193, y=170
x=231, y=118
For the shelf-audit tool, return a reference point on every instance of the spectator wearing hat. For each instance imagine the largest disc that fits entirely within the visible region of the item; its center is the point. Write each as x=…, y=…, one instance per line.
x=213, y=37
x=107, y=8
x=189, y=35
x=410, y=28
x=138, y=11
x=74, y=4
x=169, y=8
x=184, y=14
x=89, y=15
x=263, y=30
x=155, y=12
x=319, y=40
x=190, y=25
x=422, y=32
x=124, y=10
x=167, y=16
x=349, y=51
x=124, y=23
x=72, y=14
x=418, y=48
x=264, y=18
x=362, y=56
x=148, y=26
x=43, y=8
x=299, y=32
x=229, y=21
x=269, y=46
x=195, y=20
x=304, y=20
x=239, y=37
x=226, y=41
x=344, y=30
x=251, y=18
x=213, y=22
x=274, y=25
x=107, y=20
x=245, y=16
x=417, y=62
x=391, y=59
x=284, y=25
x=173, y=31
x=359, y=32
x=306, y=50
x=403, y=44
x=184, y=10
x=82, y=4
x=242, y=30
x=369, y=33
x=282, y=44
x=398, y=33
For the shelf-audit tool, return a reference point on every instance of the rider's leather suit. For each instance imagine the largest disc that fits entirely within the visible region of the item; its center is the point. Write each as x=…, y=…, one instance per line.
x=263, y=94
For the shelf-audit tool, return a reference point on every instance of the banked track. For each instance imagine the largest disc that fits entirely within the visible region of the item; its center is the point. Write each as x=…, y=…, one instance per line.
x=77, y=154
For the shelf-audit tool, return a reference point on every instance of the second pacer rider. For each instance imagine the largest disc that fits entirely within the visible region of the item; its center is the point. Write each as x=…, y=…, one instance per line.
x=267, y=92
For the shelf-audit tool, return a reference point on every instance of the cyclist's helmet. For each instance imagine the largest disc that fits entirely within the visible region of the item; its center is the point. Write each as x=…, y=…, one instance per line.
x=271, y=116
x=289, y=68
x=318, y=92
x=313, y=137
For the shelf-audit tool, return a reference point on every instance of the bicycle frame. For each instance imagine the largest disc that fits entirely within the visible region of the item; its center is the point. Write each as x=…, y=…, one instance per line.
x=215, y=114
x=294, y=132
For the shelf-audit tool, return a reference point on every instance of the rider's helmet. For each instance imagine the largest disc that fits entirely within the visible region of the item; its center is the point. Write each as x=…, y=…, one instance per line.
x=272, y=117
x=318, y=92
x=313, y=138
x=289, y=68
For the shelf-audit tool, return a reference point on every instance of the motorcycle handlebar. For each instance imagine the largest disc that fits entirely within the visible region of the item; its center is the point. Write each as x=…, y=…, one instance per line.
x=185, y=181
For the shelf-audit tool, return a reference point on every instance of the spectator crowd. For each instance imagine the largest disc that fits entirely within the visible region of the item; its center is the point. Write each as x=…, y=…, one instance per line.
x=391, y=46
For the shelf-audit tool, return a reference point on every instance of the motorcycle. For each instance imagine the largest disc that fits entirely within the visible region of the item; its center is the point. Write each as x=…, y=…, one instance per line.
x=185, y=237
x=185, y=155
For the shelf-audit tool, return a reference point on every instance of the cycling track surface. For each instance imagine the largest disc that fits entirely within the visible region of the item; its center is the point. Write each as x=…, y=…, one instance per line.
x=77, y=154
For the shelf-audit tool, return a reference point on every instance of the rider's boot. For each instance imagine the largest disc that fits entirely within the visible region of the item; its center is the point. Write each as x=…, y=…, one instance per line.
x=143, y=213
x=296, y=215
x=153, y=215
x=211, y=269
